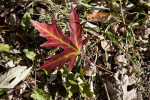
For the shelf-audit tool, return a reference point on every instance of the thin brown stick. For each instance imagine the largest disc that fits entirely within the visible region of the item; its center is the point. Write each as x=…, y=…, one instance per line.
x=123, y=19
x=122, y=14
x=35, y=74
x=35, y=78
x=106, y=91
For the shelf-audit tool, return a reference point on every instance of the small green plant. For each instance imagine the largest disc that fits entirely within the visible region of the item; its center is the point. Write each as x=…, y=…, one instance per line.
x=29, y=54
x=2, y=91
x=4, y=47
x=26, y=22
x=39, y=94
x=75, y=83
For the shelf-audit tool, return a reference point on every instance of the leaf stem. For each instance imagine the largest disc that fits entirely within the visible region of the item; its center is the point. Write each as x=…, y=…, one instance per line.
x=95, y=64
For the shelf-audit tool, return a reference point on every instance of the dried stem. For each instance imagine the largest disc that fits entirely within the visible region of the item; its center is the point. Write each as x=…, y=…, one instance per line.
x=122, y=14
x=95, y=64
x=106, y=91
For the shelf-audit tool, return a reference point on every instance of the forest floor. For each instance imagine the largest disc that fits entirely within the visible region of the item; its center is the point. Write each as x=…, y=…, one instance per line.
x=119, y=41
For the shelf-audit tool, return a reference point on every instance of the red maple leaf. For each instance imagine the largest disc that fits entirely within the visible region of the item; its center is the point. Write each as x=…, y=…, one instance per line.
x=71, y=45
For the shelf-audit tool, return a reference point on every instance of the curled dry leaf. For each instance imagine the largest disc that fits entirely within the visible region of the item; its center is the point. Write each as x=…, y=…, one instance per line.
x=99, y=16
x=91, y=25
x=121, y=60
x=114, y=27
x=89, y=71
x=141, y=48
x=123, y=30
x=108, y=46
x=117, y=29
x=41, y=10
x=131, y=71
x=140, y=39
x=20, y=89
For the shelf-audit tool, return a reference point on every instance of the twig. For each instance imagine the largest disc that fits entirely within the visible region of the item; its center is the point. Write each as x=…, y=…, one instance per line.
x=35, y=78
x=122, y=14
x=106, y=91
x=95, y=64
x=35, y=73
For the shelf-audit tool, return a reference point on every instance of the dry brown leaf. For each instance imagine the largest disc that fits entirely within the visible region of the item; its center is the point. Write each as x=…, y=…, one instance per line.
x=20, y=89
x=123, y=30
x=121, y=43
x=6, y=19
x=99, y=16
x=13, y=19
x=114, y=27
x=108, y=46
x=142, y=48
x=120, y=59
x=131, y=71
x=124, y=82
x=89, y=71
